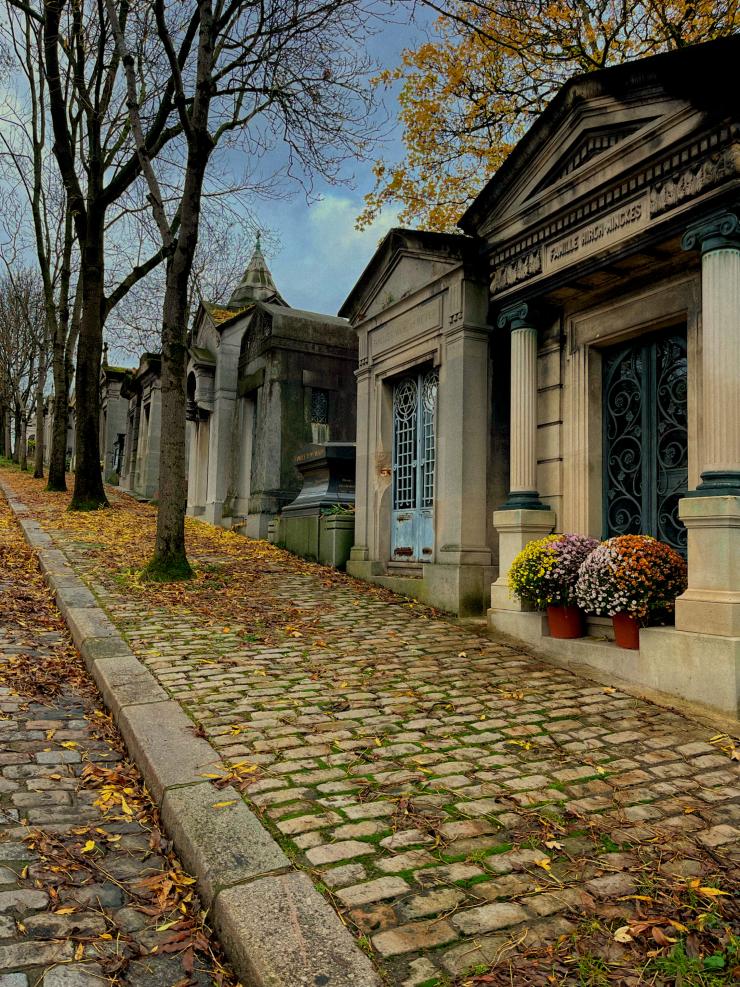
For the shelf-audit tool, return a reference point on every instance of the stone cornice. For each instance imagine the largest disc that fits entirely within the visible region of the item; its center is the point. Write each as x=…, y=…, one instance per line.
x=684, y=173
x=716, y=231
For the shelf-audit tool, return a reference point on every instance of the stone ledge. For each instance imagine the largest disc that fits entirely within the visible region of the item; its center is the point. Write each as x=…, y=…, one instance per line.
x=123, y=681
x=283, y=934
x=161, y=739
x=223, y=846
x=235, y=850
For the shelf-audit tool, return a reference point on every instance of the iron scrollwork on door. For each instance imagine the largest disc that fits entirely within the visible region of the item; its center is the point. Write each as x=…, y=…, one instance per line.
x=645, y=438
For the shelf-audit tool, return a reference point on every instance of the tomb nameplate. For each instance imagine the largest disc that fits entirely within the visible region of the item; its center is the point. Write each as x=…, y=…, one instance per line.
x=422, y=319
x=598, y=235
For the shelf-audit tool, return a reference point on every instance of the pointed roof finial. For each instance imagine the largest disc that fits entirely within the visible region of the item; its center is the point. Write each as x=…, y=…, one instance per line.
x=105, y=354
x=256, y=285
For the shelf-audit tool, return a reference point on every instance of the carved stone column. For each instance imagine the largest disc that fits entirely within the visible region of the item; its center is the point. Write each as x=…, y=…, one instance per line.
x=711, y=513
x=523, y=517
x=523, y=493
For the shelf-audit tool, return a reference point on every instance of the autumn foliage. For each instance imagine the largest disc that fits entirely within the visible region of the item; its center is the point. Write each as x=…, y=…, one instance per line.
x=469, y=92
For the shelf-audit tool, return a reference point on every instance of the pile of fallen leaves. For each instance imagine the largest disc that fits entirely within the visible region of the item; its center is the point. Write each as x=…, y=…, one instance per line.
x=237, y=580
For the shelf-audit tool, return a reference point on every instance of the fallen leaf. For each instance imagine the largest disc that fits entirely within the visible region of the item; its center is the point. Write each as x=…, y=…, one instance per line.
x=222, y=805
x=623, y=934
x=89, y=846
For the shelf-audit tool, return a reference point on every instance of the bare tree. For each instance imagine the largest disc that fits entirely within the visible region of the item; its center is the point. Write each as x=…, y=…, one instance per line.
x=22, y=343
x=99, y=167
x=263, y=73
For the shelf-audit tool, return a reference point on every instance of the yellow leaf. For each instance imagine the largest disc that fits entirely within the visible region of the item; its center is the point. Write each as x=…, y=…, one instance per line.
x=89, y=846
x=222, y=805
x=623, y=934
x=66, y=910
x=226, y=630
x=209, y=775
x=544, y=863
x=553, y=845
x=167, y=925
x=80, y=951
x=712, y=892
x=69, y=744
x=125, y=808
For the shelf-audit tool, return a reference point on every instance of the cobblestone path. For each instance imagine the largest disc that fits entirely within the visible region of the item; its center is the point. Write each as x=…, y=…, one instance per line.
x=73, y=912
x=462, y=804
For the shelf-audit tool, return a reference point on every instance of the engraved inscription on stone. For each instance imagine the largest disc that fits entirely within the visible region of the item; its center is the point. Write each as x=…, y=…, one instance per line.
x=590, y=239
x=422, y=319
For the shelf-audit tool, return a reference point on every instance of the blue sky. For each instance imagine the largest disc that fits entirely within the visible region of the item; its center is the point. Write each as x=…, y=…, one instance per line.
x=320, y=254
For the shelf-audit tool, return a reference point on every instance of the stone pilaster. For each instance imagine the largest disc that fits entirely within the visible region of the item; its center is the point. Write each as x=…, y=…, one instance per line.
x=711, y=513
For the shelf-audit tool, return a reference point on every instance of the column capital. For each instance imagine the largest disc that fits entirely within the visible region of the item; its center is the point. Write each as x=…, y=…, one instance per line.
x=516, y=316
x=715, y=231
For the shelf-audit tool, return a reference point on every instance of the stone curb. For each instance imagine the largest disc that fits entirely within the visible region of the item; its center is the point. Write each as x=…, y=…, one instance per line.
x=275, y=927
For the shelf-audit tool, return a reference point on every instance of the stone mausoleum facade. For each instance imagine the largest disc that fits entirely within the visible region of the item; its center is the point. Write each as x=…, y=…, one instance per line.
x=142, y=389
x=114, y=408
x=264, y=381
x=573, y=364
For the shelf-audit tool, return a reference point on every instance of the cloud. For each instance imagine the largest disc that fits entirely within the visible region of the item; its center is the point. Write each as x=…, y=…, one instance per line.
x=322, y=253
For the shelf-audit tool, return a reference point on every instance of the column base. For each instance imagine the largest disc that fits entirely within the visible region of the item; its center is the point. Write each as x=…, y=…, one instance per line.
x=711, y=603
x=459, y=589
x=718, y=483
x=524, y=500
x=516, y=528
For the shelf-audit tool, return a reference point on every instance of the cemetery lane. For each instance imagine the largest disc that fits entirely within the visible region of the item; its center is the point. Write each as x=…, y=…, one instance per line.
x=90, y=893
x=462, y=804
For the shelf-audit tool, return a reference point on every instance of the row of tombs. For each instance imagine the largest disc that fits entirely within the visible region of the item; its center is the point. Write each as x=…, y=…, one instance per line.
x=569, y=361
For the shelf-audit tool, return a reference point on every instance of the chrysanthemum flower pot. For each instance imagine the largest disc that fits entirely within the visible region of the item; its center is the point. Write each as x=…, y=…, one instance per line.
x=565, y=622
x=626, y=631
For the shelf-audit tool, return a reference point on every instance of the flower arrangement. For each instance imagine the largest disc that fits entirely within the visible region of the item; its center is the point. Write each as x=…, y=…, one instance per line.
x=631, y=574
x=545, y=572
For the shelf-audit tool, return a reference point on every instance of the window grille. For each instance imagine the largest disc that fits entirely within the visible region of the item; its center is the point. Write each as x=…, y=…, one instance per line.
x=319, y=407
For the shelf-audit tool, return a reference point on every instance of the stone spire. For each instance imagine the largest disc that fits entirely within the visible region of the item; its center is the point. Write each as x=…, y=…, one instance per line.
x=257, y=284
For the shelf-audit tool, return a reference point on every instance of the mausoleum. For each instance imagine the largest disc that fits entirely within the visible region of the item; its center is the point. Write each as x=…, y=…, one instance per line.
x=264, y=381
x=114, y=408
x=140, y=469
x=587, y=368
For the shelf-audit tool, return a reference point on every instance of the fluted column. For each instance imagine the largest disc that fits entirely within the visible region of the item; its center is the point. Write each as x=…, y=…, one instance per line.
x=718, y=238
x=523, y=494
x=711, y=513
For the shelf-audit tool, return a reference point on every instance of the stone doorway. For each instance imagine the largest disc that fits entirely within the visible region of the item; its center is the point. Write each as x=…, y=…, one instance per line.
x=645, y=423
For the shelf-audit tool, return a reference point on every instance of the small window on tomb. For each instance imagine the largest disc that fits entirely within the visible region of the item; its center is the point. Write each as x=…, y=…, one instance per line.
x=319, y=415
x=319, y=406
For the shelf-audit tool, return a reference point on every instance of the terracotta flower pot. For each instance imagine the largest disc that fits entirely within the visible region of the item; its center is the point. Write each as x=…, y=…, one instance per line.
x=626, y=631
x=565, y=622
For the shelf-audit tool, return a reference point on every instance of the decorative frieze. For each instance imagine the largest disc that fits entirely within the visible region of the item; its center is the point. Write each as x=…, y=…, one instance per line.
x=692, y=181
x=519, y=269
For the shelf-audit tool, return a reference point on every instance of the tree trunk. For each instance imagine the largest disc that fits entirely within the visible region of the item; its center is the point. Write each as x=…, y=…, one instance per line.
x=23, y=455
x=170, y=559
x=3, y=450
x=60, y=412
x=38, y=458
x=17, y=433
x=89, y=493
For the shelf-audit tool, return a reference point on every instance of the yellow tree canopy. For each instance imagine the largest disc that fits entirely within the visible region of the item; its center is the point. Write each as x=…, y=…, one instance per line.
x=469, y=93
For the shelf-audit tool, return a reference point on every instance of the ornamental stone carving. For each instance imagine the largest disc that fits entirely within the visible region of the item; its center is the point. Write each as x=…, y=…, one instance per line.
x=690, y=182
x=519, y=269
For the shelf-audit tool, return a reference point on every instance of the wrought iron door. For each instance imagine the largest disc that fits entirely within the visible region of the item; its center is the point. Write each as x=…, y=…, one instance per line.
x=414, y=413
x=645, y=438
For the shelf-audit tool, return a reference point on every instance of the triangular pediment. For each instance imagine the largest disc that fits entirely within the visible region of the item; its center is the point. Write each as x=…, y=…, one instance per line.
x=405, y=262
x=591, y=148
x=591, y=143
x=603, y=132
